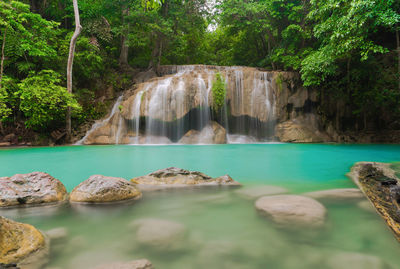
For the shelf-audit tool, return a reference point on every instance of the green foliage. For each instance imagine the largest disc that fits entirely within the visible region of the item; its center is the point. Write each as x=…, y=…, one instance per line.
x=218, y=91
x=43, y=100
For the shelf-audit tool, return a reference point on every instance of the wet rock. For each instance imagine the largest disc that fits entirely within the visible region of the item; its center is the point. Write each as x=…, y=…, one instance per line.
x=211, y=134
x=160, y=234
x=5, y=144
x=355, y=261
x=297, y=132
x=9, y=137
x=31, y=189
x=22, y=244
x=254, y=192
x=177, y=177
x=292, y=210
x=102, y=189
x=137, y=264
x=336, y=195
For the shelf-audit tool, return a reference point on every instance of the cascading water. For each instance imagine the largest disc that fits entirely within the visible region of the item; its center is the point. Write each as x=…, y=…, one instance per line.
x=177, y=108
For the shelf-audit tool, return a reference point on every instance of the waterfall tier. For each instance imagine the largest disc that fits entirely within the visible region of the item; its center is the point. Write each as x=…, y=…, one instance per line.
x=178, y=108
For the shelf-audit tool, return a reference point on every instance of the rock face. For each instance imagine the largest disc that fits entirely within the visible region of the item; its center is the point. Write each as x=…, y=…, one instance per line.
x=31, y=189
x=211, y=134
x=336, y=194
x=102, y=189
x=160, y=234
x=379, y=183
x=258, y=191
x=22, y=244
x=295, y=132
x=176, y=177
x=137, y=264
x=292, y=210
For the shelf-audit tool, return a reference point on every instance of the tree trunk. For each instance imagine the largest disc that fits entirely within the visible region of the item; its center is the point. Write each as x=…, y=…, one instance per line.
x=2, y=56
x=398, y=55
x=74, y=38
x=123, y=58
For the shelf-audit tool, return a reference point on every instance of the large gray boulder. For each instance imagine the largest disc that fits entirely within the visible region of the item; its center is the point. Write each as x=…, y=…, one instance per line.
x=177, y=177
x=102, y=189
x=31, y=189
x=211, y=134
x=292, y=210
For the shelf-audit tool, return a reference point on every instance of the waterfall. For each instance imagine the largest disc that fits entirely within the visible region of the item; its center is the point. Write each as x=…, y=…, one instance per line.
x=101, y=123
x=179, y=105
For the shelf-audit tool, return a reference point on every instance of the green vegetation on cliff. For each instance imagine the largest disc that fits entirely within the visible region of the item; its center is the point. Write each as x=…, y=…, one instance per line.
x=218, y=91
x=349, y=50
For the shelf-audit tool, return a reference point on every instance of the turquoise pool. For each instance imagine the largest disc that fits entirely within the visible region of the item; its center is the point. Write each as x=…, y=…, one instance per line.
x=216, y=219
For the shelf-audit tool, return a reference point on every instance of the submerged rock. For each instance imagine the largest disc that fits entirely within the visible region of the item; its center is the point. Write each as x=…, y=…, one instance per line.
x=366, y=205
x=177, y=177
x=160, y=234
x=57, y=234
x=31, y=189
x=137, y=264
x=22, y=244
x=211, y=134
x=292, y=210
x=355, y=260
x=254, y=192
x=102, y=189
x=336, y=194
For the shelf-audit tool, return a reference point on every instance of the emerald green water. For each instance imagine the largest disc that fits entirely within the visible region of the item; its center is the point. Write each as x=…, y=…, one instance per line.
x=223, y=229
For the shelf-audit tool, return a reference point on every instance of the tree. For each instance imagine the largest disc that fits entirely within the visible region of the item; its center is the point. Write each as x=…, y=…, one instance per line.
x=74, y=38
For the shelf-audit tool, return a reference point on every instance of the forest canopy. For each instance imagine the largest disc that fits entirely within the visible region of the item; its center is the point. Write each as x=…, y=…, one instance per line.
x=346, y=48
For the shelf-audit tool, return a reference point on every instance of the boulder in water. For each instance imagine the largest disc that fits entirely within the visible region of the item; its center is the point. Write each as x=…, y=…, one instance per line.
x=137, y=264
x=102, y=189
x=336, y=195
x=210, y=134
x=22, y=244
x=297, y=132
x=31, y=189
x=292, y=210
x=160, y=234
x=254, y=192
x=177, y=177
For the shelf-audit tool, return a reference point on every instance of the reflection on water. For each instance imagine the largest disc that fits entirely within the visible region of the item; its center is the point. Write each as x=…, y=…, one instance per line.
x=221, y=230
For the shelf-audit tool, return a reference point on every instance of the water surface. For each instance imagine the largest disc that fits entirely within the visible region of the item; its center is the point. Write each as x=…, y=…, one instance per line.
x=223, y=229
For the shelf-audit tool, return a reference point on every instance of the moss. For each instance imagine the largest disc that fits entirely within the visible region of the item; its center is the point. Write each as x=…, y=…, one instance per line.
x=279, y=81
x=218, y=91
x=120, y=107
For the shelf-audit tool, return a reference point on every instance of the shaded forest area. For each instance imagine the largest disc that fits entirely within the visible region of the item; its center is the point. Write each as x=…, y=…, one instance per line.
x=348, y=49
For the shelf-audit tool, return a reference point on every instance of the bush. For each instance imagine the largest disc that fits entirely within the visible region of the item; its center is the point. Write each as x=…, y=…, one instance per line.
x=218, y=92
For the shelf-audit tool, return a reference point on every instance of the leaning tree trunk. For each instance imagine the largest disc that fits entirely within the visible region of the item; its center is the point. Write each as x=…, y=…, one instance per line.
x=74, y=38
x=2, y=56
x=398, y=55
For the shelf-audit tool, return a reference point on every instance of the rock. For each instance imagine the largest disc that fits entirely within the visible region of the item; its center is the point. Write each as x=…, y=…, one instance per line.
x=336, y=195
x=292, y=210
x=9, y=137
x=294, y=131
x=22, y=244
x=102, y=189
x=5, y=144
x=137, y=264
x=31, y=189
x=355, y=261
x=176, y=177
x=57, y=234
x=160, y=234
x=211, y=134
x=254, y=192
